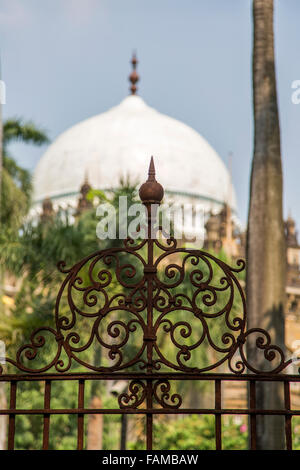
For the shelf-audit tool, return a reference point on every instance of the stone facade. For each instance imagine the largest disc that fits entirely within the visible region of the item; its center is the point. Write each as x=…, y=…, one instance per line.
x=222, y=234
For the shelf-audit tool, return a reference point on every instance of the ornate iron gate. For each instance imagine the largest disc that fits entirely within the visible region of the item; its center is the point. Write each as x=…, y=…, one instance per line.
x=153, y=305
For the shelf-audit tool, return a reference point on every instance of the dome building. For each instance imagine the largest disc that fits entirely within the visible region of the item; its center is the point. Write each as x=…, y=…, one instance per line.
x=118, y=143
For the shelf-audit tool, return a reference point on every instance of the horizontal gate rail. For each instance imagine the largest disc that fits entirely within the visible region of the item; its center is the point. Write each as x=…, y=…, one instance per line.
x=149, y=411
x=156, y=376
x=157, y=411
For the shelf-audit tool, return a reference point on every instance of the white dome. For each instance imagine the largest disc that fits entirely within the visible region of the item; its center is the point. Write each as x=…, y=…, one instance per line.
x=120, y=142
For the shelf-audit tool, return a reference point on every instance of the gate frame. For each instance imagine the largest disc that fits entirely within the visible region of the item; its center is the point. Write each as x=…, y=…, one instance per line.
x=149, y=391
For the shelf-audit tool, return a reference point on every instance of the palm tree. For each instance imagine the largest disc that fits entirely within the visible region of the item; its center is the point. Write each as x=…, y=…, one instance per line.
x=265, y=240
x=15, y=189
x=16, y=181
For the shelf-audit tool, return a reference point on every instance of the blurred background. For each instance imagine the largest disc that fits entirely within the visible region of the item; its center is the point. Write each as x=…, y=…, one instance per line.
x=65, y=61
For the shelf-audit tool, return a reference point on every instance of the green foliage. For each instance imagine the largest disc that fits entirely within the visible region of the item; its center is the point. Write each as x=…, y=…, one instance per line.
x=14, y=204
x=296, y=432
x=31, y=254
x=195, y=432
x=63, y=428
x=16, y=129
x=16, y=181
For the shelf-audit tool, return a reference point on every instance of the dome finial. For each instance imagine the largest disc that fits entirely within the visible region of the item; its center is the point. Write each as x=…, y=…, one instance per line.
x=151, y=171
x=134, y=77
x=151, y=192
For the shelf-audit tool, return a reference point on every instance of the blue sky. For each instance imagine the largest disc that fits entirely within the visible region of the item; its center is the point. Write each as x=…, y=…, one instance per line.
x=66, y=60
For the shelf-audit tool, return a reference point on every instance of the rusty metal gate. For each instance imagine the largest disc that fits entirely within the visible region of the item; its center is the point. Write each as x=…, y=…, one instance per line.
x=149, y=325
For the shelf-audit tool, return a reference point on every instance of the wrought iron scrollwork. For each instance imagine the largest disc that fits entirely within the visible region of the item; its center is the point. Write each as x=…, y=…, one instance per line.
x=157, y=392
x=149, y=306
x=135, y=397
x=161, y=393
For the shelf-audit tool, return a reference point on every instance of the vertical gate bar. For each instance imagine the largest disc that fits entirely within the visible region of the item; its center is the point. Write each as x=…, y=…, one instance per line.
x=253, y=416
x=288, y=418
x=12, y=418
x=80, y=419
x=149, y=425
x=150, y=187
x=218, y=417
x=46, y=428
x=149, y=417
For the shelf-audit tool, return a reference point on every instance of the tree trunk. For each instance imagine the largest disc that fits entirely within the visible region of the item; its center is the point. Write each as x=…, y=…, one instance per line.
x=3, y=418
x=265, y=283
x=95, y=426
x=95, y=421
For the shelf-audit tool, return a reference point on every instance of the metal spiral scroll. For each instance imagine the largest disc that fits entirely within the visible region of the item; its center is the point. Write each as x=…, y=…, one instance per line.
x=138, y=391
x=149, y=306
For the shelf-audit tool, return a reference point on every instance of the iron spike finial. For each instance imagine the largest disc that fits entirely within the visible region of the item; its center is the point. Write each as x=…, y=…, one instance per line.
x=151, y=171
x=151, y=192
x=134, y=77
